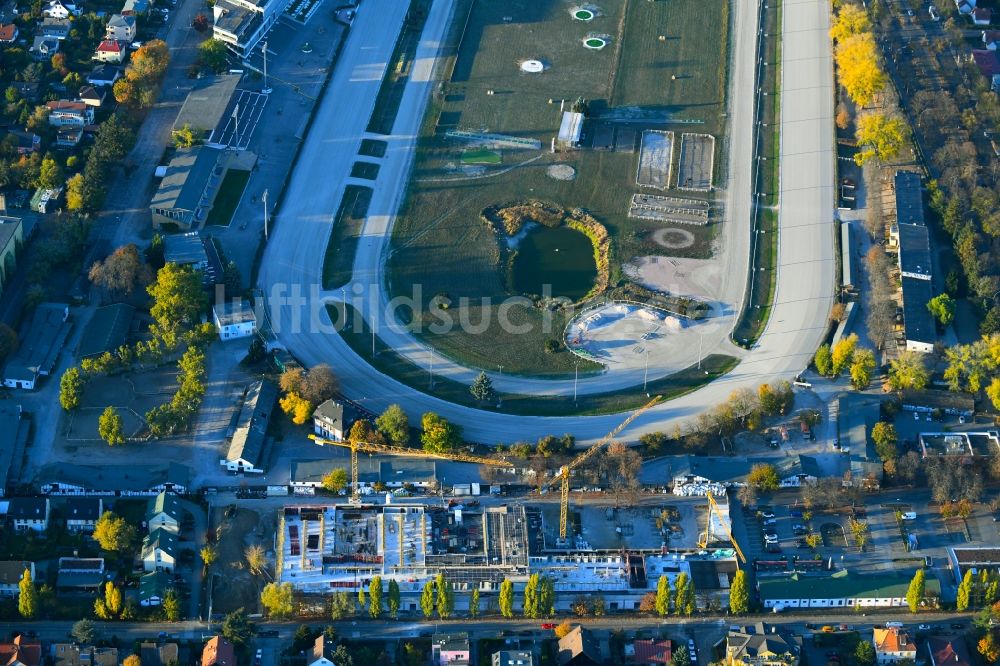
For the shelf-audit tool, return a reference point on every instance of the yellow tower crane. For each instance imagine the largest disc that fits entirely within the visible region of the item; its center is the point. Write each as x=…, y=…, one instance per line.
x=399, y=451
x=563, y=476
x=713, y=507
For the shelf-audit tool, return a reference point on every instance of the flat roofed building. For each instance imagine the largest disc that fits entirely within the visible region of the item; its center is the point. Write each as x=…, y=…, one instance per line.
x=909, y=201
x=77, y=574
x=187, y=191
x=246, y=449
x=206, y=105
x=840, y=590
x=914, y=251
x=11, y=238
x=570, y=129
x=512, y=658
x=450, y=649
x=234, y=319
x=13, y=437
x=242, y=23
x=185, y=250
x=121, y=480
x=39, y=346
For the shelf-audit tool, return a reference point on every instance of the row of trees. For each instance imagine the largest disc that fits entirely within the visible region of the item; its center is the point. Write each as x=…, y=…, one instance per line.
x=139, y=88
x=85, y=190
x=846, y=355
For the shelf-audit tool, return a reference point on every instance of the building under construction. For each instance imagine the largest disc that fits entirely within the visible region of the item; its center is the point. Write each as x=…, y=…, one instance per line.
x=325, y=548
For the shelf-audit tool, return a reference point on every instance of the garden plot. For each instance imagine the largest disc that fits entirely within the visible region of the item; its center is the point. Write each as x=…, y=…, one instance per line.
x=669, y=209
x=696, y=162
x=654, y=159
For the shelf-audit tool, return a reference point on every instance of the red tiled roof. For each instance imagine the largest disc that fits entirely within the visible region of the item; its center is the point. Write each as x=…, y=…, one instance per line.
x=65, y=105
x=948, y=651
x=110, y=46
x=29, y=654
x=893, y=639
x=987, y=62
x=982, y=13
x=990, y=36
x=652, y=652
x=218, y=652
x=7, y=32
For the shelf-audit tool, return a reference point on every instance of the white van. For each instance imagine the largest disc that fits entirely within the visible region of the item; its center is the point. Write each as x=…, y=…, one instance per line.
x=910, y=515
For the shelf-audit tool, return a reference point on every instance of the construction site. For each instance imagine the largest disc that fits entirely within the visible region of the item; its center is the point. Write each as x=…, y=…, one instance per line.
x=343, y=547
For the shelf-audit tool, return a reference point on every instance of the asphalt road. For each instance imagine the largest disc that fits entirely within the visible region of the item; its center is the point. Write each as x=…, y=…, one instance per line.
x=290, y=274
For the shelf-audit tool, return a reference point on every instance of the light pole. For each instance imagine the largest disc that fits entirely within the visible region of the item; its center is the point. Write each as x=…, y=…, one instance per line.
x=266, y=90
x=265, y=214
x=645, y=371
x=576, y=376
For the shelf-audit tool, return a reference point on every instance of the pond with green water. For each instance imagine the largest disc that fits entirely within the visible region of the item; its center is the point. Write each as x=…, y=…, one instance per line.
x=560, y=257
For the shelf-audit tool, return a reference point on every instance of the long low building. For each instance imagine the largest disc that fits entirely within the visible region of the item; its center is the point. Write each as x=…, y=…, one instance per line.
x=114, y=480
x=842, y=589
x=39, y=346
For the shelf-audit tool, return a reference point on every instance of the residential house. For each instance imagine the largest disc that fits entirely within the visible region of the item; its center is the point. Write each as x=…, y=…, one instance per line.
x=965, y=7
x=159, y=551
x=72, y=113
x=579, y=648
x=990, y=39
x=648, y=652
x=450, y=649
x=67, y=137
x=104, y=75
x=135, y=7
x=164, y=512
x=43, y=48
x=80, y=574
x=153, y=588
x=110, y=50
x=40, y=346
x=892, y=645
x=21, y=651
x=59, y=9
x=69, y=654
x=45, y=200
x=82, y=513
x=761, y=645
x=92, y=96
x=159, y=654
x=8, y=33
x=218, y=652
x=246, y=448
x=982, y=15
x=234, y=319
x=11, y=572
x=322, y=652
x=29, y=513
x=328, y=420
x=121, y=28
x=948, y=651
x=512, y=658
x=25, y=142
x=842, y=589
x=57, y=28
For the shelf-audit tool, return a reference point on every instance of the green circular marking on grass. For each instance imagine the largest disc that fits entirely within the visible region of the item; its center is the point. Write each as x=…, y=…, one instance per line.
x=583, y=15
x=595, y=43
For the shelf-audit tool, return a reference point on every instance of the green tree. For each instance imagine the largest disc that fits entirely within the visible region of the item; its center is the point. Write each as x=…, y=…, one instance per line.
x=963, y=598
x=445, y=597
x=663, y=596
x=393, y=598
x=763, y=477
x=208, y=555
x=529, y=605
x=237, y=627
x=506, y=600
x=183, y=137
x=885, y=438
x=439, y=435
x=685, y=595
x=823, y=360
x=111, y=427
x=84, y=632
x=278, y=599
x=908, y=371
x=113, y=598
x=178, y=301
x=51, y=175
x=842, y=353
x=336, y=480
x=171, y=606
x=942, y=307
x=864, y=654
x=213, y=56
x=375, y=597
x=739, y=594
x=71, y=389
x=482, y=388
x=680, y=657
x=915, y=593
x=394, y=425
x=27, y=596
x=427, y=599
x=474, y=603
x=113, y=534
x=880, y=136
x=547, y=597
x=341, y=605
x=362, y=599
x=862, y=366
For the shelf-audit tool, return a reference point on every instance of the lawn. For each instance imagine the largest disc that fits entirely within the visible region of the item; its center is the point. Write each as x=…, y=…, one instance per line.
x=228, y=198
x=338, y=263
x=441, y=247
x=481, y=157
x=386, y=360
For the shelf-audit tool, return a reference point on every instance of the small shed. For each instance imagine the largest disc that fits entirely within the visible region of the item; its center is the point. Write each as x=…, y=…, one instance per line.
x=571, y=129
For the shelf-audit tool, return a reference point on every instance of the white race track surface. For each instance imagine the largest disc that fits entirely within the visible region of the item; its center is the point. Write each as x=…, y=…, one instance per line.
x=290, y=273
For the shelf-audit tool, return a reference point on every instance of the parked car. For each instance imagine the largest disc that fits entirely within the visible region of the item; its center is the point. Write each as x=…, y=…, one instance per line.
x=548, y=625
x=795, y=513
x=767, y=515
x=924, y=627
x=770, y=521
x=800, y=529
